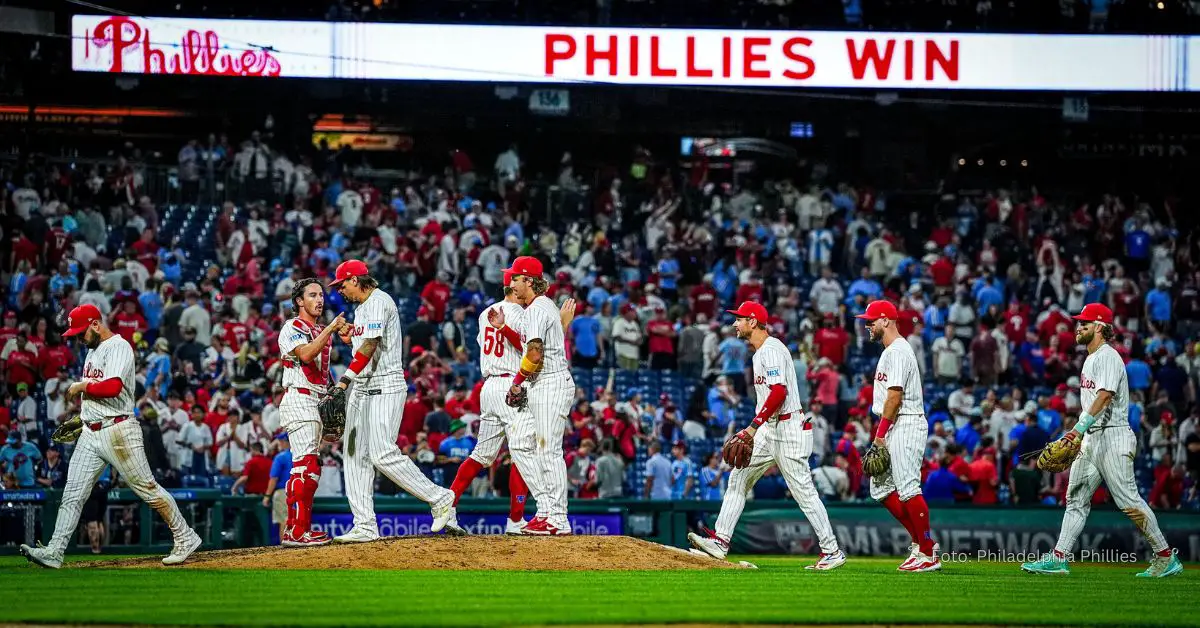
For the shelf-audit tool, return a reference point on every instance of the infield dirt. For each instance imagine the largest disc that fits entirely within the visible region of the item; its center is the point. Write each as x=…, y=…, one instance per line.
x=572, y=553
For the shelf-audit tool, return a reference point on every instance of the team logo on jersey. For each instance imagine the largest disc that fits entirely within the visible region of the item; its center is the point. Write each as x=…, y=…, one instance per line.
x=297, y=337
x=760, y=380
x=880, y=377
x=91, y=371
x=772, y=372
x=375, y=326
x=1086, y=384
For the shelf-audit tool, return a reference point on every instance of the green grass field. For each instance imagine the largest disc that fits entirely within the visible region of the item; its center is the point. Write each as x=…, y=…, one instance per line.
x=780, y=591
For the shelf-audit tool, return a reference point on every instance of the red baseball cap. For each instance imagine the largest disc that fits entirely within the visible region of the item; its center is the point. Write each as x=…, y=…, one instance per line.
x=525, y=265
x=507, y=278
x=1095, y=313
x=81, y=317
x=879, y=309
x=749, y=309
x=347, y=269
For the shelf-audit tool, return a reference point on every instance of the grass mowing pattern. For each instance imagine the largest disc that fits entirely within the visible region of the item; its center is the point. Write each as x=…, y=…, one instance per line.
x=866, y=590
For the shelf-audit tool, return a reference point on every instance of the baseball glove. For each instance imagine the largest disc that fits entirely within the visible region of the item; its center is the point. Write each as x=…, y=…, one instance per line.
x=876, y=462
x=68, y=431
x=738, y=450
x=332, y=408
x=1058, y=455
x=517, y=397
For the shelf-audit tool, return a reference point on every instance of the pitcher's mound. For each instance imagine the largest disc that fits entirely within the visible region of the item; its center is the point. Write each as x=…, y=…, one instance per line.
x=571, y=553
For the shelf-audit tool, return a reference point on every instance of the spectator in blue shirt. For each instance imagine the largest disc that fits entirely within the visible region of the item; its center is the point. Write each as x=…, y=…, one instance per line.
x=458, y=445
x=1093, y=289
x=866, y=286
x=668, y=276
x=733, y=354
x=152, y=308
x=722, y=403
x=941, y=486
x=658, y=474
x=1138, y=373
x=52, y=472
x=1158, y=304
x=20, y=459
x=712, y=479
x=585, y=334
x=683, y=473
x=158, y=367
x=968, y=435
x=281, y=470
x=987, y=296
x=1137, y=243
x=1048, y=419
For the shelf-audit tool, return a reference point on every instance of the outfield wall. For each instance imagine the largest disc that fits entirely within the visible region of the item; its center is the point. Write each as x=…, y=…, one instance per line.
x=768, y=527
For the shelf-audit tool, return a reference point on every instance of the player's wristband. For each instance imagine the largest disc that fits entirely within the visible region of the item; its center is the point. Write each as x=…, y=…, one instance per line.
x=1085, y=421
x=357, y=364
x=529, y=368
x=884, y=425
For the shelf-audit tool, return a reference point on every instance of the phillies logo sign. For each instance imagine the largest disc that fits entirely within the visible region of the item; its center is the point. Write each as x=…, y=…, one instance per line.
x=127, y=46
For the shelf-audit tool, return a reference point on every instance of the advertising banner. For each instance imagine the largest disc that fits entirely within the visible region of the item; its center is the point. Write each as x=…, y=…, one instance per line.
x=633, y=56
x=409, y=524
x=970, y=534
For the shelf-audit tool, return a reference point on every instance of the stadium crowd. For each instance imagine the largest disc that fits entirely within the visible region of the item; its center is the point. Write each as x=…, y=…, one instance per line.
x=985, y=286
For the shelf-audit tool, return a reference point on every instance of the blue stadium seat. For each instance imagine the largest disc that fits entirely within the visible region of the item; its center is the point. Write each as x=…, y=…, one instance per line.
x=196, y=481
x=224, y=484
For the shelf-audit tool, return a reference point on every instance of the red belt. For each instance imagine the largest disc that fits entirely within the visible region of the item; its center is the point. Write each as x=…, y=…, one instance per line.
x=96, y=425
x=784, y=417
x=500, y=375
x=303, y=391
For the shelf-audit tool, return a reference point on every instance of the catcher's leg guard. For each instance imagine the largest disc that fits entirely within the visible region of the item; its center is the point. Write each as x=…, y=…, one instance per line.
x=309, y=478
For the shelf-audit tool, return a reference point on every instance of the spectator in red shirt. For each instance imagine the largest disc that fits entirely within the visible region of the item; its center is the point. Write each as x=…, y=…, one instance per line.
x=23, y=250
x=54, y=356
x=9, y=330
x=415, y=410
x=831, y=341
x=751, y=290
x=954, y=462
x=662, y=341
x=1167, y=493
x=1058, y=401
x=22, y=364
x=435, y=296
x=256, y=473
x=984, y=477
x=845, y=447
x=219, y=415
x=456, y=404
x=703, y=298
x=128, y=322
x=942, y=272
x=236, y=333
x=147, y=250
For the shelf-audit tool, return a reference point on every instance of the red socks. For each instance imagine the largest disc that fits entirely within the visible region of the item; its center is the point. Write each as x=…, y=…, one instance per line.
x=896, y=507
x=517, y=492
x=918, y=514
x=466, y=473
x=301, y=487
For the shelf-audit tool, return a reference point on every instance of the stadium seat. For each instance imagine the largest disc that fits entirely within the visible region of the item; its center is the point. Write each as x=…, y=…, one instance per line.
x=196, y=481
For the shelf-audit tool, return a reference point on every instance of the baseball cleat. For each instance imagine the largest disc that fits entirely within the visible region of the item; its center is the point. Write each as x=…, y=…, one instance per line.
x=534, y=526
x=1049, y=563
x=712, y=545
x=1160, y=566
x=829, y=562
x=923, y=563
x=42, y=556
x=542, y=527
x=182, y=550
x=446, y=518
x=357, y=535
x=515, y=528
x=913, y=550
x=312, y=538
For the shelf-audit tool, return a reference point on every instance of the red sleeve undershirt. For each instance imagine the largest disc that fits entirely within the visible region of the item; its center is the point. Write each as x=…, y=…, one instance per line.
x=105, y=389
x=772, y=404
x=511, y=336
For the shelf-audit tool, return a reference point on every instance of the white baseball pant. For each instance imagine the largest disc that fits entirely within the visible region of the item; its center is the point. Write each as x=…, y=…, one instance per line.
x=906, y=449
x=121, y=446
x=1107, y=455
x=372, y=428
x=499, y=420
x=787, y=444
x=550, y=404
x=298, y=415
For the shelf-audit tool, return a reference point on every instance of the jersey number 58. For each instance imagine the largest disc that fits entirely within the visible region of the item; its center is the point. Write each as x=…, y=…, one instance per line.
x=493, y=342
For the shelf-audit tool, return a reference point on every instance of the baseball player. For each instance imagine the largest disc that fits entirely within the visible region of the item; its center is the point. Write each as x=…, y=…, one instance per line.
x=110, y=435
x=782, y=436
x=501, y=349
x=375, y=407
x=304, y=345
x=903, y=430
x=538, y=448
x=1107, y=451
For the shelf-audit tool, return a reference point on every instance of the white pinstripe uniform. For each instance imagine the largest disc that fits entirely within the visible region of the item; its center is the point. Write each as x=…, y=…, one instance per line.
x=106, y=441
x=304, y=385
x=373, y=412
x=550, y=399
x=1106, y=454
x=785, y=439
x=907, y=437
